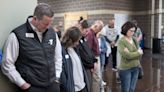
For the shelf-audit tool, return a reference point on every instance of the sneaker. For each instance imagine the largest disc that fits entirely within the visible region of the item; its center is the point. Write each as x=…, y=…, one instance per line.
x=114, y=69
x=103, y=83
x=118, y=81
x=102, y=90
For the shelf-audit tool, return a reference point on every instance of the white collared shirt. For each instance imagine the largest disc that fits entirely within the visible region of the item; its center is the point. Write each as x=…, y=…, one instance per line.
x=36, y=30
x=78, y=75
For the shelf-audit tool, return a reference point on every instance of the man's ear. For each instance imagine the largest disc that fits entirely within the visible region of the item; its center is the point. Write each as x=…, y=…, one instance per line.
x=95, y=26
x=35, y=18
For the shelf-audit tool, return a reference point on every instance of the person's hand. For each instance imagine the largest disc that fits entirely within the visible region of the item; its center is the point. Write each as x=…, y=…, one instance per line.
x=126, y=50
x=57, y=80
x=25, y=86
x=95, y=68
x=113, y=43
x=140, y=51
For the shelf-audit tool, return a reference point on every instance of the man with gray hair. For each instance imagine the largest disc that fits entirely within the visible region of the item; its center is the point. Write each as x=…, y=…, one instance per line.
x=94, y=46
x=32, y=58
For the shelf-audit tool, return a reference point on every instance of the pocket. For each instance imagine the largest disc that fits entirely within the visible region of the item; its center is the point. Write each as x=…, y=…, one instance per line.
x=56, y=85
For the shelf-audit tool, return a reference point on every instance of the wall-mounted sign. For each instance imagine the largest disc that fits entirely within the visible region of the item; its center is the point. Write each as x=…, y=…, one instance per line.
x=72, y=18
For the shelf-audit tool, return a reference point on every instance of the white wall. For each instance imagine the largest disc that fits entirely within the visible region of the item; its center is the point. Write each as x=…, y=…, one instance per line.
x=120, y=19
x=12, y=14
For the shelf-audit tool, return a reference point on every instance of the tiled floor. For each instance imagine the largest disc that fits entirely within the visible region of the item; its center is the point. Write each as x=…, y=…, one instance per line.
x=153, y=81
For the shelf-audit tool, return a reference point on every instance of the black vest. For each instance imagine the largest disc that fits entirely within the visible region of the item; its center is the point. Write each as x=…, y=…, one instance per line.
x=36, y=62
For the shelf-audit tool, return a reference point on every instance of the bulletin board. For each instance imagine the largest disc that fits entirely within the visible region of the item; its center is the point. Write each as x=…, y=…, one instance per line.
x=71, y=19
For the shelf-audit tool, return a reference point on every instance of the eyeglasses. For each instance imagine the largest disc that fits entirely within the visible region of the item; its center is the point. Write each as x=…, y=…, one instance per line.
x=132, y=30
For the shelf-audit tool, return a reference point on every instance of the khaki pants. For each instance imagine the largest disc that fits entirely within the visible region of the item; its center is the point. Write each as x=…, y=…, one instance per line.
x=96, y=78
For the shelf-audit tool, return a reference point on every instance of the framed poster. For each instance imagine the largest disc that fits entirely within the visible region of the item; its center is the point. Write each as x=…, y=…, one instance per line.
x=72, y=18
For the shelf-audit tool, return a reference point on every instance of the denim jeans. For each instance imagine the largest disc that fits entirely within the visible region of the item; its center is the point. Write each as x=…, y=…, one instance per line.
x=102, y=59
x=129, y=79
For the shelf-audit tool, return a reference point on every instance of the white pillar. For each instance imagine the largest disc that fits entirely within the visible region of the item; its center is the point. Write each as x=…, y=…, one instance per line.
x=152, y=20
x=160, y=20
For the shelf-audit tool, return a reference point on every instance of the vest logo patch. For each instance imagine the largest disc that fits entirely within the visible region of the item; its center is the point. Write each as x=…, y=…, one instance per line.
x=50, y=42
x=67, y=56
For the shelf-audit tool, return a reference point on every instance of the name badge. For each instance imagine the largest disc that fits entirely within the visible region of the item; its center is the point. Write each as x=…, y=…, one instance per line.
x=85, y=39
x=29, y=35
x=81, y=40
x=66, y=56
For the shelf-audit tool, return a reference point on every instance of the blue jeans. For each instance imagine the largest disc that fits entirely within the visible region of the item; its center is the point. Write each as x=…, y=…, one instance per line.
x=102, y=59
x=129, y=79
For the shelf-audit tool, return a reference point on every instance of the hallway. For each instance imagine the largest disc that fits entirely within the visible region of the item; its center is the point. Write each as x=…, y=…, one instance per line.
x=153, y=81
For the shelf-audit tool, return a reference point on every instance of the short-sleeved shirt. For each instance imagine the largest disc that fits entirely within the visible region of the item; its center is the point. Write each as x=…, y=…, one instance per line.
x=110, y=33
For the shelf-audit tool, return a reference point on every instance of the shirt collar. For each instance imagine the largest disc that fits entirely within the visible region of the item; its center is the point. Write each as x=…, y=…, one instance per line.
x=33, y=27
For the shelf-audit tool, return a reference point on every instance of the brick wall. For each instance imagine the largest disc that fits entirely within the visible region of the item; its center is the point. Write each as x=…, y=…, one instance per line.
x=56, y=19
x=144, y=21
x=141, y=5
x=61, y=6
x=103, y=17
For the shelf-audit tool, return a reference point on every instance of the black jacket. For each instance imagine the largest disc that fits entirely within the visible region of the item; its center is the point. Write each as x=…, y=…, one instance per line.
x=86, y=54
x=66, y=79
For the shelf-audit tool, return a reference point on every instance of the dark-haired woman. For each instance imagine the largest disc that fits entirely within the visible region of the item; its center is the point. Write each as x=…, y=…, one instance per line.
x=73, y=77
x=130, y=53
x=87, y=57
